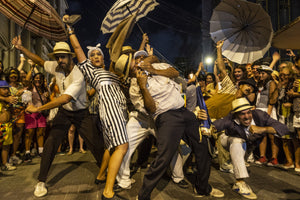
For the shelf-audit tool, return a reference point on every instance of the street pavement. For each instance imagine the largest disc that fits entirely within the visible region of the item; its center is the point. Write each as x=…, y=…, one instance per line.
x=72, y=178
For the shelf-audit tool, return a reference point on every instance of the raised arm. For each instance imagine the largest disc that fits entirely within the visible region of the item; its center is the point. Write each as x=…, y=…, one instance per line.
x=275, y=59
x=74, y=41
x=144, y=41
x=170, y=72
x=17, y=42
x=22, y=61
x=220, y=61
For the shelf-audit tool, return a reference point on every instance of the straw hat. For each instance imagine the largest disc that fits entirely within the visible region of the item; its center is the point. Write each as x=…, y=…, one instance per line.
x=127, y=49
x=61, y=48
x=122, y=65
x=240, y=104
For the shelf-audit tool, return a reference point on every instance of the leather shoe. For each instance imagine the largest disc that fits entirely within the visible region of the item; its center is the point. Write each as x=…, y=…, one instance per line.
x=115, y=197
x=182, y=184
x=118, y=188
x=98, y=181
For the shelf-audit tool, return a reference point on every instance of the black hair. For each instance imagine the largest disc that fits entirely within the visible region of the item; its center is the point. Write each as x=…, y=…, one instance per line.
x=8, y=73
x=213, y=78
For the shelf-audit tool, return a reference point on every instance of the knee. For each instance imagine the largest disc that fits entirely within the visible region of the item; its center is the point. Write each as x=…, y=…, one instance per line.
x=72, y=129
x=122, y=148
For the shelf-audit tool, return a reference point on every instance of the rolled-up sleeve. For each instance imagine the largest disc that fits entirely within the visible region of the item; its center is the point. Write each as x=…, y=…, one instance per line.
x=75, y=88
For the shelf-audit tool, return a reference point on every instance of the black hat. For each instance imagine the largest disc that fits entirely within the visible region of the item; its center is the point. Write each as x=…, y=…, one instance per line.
x=251, y=82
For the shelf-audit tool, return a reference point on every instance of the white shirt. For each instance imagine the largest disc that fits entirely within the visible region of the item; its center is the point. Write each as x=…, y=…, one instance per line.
x=73, y=85
x=164, y=91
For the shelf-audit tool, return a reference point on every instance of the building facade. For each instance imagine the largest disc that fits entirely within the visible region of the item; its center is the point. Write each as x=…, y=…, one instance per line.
x=35, y=43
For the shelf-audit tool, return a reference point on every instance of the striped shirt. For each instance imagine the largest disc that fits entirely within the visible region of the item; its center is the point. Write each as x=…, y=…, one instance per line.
x=227, y=86
x=112, y=103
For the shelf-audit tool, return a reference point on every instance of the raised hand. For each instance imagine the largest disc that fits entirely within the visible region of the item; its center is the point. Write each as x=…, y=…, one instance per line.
x=276, y=56
x=141, y=78
x=290, y=53
x=149, y=50
x=220, y=44
x=17, y=42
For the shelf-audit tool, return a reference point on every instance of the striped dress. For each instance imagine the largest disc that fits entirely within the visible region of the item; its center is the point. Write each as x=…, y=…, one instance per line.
x=112, y=103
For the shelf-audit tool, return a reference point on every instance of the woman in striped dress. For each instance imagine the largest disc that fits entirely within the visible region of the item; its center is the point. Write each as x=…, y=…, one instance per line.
x=112, y=111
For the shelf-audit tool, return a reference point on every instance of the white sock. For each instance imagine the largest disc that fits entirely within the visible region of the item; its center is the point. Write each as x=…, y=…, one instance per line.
x=27, y=151
x=41, y=149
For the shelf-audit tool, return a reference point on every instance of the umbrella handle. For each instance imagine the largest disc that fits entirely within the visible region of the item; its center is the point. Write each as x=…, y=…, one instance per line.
x=138, y=25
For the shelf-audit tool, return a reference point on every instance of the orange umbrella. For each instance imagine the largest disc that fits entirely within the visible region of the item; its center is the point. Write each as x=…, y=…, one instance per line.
x=38, y=16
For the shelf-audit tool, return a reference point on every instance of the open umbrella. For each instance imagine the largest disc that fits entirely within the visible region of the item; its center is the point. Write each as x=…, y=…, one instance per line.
x=123, y=9
x=118, y=37
x=38, y=16
x=288, y=36
x=245, y=28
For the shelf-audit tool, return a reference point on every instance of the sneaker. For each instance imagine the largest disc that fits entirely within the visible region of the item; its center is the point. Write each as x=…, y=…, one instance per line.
x=247, y=164
x=243, y=189
x=250, y=158
x=286, y=166
x=27, y=158
x=15, y=160
x=8, y=167
x=272, y=162
x=214, y=193
x=33, y=152
x=182, y=184
x=262, y=160
x=40, y=189
x=227, y=168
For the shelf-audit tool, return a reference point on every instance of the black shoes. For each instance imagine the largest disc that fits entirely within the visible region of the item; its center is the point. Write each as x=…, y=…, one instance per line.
x=97, y=181
x=182, y=184
x=27, y=158
x=115, y=197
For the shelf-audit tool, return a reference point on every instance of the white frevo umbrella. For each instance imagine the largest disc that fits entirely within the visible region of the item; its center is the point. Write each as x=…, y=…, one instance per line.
x=245, y=27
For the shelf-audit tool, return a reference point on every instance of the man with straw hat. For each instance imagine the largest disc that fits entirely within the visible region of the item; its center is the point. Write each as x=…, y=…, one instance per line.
x=162, y=99
x=72, y=107
x=243, y=126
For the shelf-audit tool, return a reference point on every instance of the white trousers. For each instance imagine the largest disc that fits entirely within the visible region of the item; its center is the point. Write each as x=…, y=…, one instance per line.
x=237, y=148
x=139, y=126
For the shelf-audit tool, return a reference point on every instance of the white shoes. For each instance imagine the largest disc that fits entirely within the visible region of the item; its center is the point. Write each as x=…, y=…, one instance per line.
x=15, y=160
x=214, y=193
x=40, y=190
x=8, y=167
x=243, y=189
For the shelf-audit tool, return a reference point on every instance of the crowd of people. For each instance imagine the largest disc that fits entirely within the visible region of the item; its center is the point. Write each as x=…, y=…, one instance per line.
x=139, y=100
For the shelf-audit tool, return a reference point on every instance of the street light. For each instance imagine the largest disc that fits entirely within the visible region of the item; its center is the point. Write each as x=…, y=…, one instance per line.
x=208, y=60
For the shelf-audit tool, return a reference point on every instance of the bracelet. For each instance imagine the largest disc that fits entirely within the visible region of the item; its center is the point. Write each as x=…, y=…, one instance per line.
x=70, y=30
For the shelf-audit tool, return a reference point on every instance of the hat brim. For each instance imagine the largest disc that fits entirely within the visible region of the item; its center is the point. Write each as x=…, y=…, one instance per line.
x=246, y=107
x=255, y=89
x=52, y=55
x=128, y=63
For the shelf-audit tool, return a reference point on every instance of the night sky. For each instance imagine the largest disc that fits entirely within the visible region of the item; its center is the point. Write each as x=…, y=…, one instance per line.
x=173, y=27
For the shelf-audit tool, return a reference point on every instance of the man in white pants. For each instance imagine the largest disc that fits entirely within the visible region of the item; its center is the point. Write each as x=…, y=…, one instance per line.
x=243, y=127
